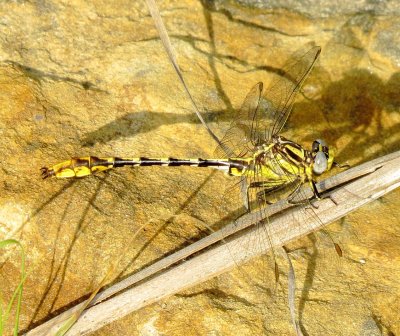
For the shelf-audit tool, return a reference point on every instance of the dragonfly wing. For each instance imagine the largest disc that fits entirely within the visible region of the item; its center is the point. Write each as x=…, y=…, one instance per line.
x=277, y=102
x=260, y=193
x=237, y=141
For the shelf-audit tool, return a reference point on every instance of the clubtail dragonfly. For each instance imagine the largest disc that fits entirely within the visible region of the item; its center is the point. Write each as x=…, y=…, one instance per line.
x=252, y=149
x=264, y=160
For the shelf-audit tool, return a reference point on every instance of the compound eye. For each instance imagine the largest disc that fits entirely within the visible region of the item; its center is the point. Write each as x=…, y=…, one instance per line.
x=320, y=163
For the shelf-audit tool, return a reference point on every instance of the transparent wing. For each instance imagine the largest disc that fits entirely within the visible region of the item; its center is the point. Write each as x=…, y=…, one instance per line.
x=261, y=117
x=237, y=141
x=277, y=102
x=259, y=193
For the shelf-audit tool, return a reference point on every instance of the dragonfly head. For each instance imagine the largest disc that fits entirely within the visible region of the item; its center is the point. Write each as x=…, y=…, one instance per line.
x=322, y=157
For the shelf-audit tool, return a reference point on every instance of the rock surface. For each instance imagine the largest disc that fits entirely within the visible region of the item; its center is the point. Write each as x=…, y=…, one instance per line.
x=81, y=78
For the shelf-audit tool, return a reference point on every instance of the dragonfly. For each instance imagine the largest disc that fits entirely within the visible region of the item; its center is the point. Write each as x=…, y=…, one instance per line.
x=264, y=160
x=261, y=161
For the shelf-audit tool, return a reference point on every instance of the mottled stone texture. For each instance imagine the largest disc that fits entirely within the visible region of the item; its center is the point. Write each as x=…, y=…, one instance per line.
x=91, y=77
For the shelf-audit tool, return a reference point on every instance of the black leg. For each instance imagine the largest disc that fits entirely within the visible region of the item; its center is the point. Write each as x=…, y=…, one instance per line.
x=318, y=196
x=345, y=166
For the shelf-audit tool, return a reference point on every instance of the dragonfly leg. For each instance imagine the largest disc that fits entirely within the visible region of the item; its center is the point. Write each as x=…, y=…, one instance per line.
x=262, y=195
x=293, y=194
x=344, y=166
x=270, y=194
x=317, y=196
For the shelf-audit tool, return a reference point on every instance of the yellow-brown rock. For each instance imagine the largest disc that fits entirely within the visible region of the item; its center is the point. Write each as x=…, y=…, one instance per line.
x=91, y=77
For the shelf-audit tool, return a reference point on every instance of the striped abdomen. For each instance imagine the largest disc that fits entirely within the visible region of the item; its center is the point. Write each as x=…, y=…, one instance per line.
x=83, y=166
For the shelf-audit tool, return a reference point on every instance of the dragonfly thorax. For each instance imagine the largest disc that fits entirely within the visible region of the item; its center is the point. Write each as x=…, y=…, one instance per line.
x=292, y=158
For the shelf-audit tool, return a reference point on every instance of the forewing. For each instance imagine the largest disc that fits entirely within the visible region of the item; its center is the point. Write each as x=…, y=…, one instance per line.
x=277, y=102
